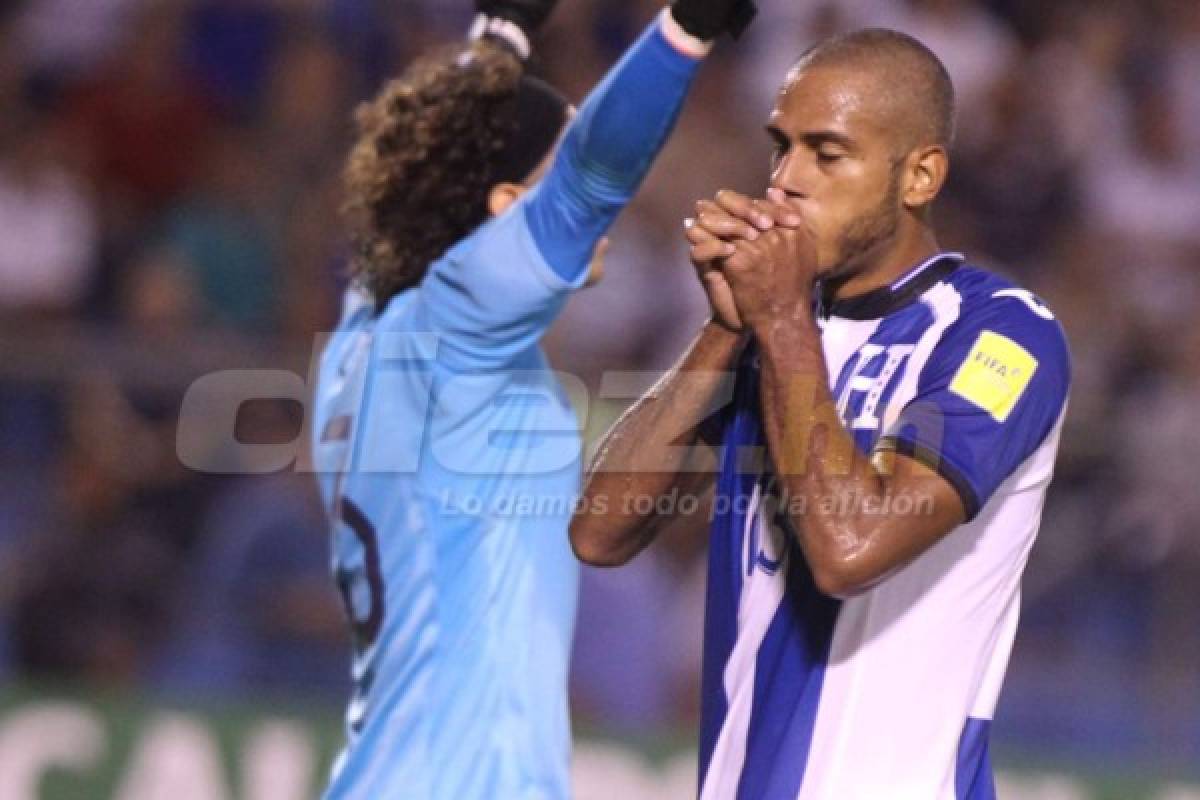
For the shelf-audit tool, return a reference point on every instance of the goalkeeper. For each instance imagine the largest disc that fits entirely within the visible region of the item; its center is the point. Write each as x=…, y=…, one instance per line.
x=478, y=202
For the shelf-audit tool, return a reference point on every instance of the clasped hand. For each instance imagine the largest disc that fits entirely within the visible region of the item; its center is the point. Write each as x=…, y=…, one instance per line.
x=755, y=258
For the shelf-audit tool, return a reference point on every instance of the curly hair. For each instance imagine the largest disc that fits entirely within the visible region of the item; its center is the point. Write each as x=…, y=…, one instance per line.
x=417, y=179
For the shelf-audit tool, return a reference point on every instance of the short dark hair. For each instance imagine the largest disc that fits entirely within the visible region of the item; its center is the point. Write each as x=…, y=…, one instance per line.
x=417, y=179
x=911, y=71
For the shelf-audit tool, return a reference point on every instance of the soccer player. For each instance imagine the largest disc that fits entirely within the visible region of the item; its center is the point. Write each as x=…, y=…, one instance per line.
x=864, y=572
x=447, y=452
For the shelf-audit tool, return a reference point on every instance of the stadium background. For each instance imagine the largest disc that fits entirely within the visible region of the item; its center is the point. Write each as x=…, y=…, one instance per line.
x=168, y=198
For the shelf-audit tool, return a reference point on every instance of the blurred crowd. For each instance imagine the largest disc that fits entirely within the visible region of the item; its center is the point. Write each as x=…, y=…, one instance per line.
x=169, y=192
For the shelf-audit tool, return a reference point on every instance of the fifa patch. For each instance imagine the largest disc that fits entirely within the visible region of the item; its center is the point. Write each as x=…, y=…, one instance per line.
x=995, y=374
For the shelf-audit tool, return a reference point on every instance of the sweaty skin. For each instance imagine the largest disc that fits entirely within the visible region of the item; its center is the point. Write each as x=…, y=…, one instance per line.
x=852, y=181
x=813, y=456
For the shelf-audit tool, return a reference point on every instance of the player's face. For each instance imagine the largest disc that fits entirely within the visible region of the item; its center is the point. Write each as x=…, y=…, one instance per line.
x=836, y=161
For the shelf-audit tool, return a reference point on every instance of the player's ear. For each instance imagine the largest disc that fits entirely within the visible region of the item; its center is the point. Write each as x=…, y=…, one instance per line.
x=925, y=173
x=503, y=195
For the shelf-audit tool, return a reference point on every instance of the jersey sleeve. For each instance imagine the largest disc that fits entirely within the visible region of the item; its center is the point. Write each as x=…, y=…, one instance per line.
x=990, y=393
x=495, y=293
x=608, y=149
x=492, y=296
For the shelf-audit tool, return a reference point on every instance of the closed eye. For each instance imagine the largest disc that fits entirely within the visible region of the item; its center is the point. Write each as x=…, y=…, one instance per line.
x=828, y=147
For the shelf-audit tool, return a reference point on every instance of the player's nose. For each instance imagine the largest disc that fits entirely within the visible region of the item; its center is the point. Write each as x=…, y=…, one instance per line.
x=788, y=178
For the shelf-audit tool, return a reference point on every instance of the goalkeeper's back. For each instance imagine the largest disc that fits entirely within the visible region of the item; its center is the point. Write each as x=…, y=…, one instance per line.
x=449, y=460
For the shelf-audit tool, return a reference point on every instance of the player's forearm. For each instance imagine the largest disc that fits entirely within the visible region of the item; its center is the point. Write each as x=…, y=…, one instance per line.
x=610, y=145
x=652, y=451
x=829, y=485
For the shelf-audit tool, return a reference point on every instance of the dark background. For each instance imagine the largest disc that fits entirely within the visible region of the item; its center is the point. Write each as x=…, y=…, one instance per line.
x=168, y=207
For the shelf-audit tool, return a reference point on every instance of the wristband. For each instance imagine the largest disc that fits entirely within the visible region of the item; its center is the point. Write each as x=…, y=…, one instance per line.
x=507, y=31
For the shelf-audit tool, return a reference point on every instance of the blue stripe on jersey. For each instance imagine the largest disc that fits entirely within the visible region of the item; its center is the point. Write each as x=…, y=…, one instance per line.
x=973, y=770
x=789, y=673
x=734, y=487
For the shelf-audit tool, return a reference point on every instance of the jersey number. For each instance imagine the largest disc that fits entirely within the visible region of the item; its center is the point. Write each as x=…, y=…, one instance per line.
x=365, y=627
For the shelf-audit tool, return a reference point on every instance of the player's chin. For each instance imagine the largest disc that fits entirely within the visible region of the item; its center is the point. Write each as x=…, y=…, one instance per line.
x=831, y=263
x=825, y=268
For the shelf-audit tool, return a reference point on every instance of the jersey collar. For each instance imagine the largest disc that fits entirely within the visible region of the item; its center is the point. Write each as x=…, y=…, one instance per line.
x=903, y=291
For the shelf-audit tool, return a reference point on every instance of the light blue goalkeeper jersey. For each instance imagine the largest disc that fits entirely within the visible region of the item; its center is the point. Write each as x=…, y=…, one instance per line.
x=449, y=458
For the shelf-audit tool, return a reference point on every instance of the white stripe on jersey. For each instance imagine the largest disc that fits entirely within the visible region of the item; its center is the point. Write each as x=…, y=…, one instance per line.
x=944, y=301
x=739, y=672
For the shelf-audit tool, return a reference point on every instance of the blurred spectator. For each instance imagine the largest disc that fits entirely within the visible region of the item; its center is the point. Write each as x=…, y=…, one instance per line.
x=1015, y=197
x=261, y=612
x=305, y=117
x=976, y=47
x=1159, y=509
x=47, y=221
x=158, y=297
x=62, y=40
x=1148, y=205
x=313, y=264
x=230, y=47
x=1144, y=189
x=219, y=231
x=1181, y=29
x=1076, y=70
x=143, y=118
x=94, y=586
x=303, y=137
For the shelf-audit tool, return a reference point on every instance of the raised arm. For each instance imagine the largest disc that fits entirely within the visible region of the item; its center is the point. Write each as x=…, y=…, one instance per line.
x=496, y=292
x=611, y=144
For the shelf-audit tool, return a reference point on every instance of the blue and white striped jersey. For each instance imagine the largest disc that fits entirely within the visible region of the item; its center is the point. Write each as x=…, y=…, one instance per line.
x=890, y=693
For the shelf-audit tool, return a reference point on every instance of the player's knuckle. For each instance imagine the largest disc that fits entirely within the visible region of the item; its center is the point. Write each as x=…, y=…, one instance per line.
x=732, y=201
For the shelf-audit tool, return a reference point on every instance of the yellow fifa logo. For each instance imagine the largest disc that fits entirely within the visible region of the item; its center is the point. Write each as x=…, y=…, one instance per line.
x=995, y=374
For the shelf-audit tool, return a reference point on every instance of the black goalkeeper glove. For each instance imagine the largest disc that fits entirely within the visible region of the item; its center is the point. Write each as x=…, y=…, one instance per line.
x=511, y=22
x=708, y=19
